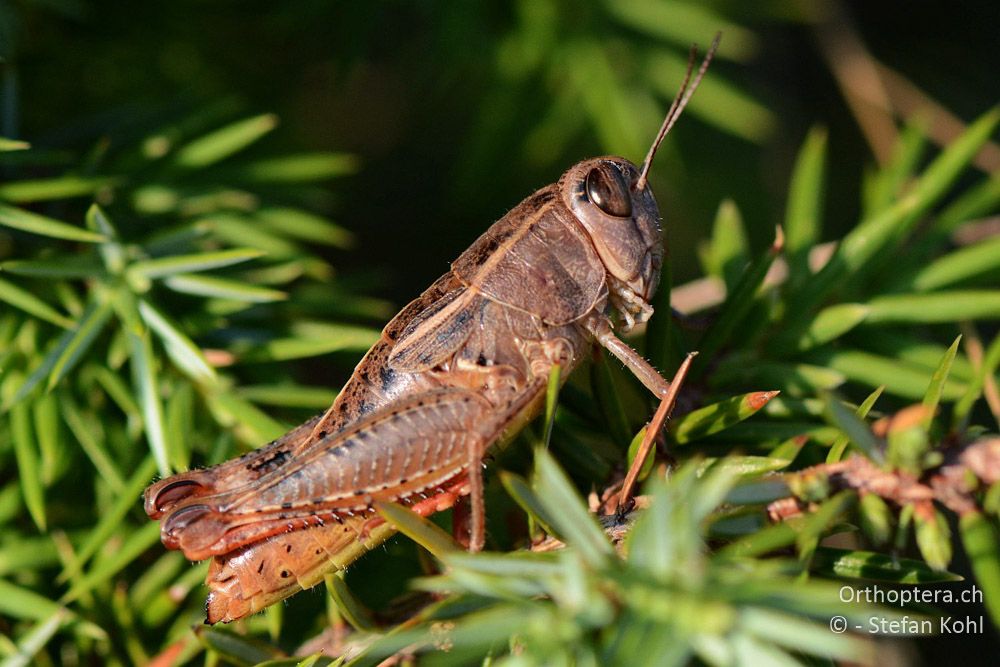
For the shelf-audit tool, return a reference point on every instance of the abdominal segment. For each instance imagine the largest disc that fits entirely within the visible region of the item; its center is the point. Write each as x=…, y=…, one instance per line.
x=398, y=452
x=249, y=579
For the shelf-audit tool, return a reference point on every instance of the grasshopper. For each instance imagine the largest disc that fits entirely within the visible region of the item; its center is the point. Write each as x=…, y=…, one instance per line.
x=463, y=366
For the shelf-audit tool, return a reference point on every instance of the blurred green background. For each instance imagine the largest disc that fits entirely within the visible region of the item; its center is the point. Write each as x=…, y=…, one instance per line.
x=453, y=113
x=457, y=111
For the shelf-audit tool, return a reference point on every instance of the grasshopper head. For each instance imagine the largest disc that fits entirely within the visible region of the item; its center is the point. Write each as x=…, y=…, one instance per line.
x=623, y=223
x=612, y=199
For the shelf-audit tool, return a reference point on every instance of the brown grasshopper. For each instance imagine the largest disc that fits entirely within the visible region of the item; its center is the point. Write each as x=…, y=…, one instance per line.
x=463, y=366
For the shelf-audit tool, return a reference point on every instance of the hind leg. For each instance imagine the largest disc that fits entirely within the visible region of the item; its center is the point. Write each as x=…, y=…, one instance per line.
x=477, y=505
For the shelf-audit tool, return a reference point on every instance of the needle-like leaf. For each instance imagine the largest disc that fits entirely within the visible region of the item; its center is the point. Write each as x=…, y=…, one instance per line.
x=34, y=223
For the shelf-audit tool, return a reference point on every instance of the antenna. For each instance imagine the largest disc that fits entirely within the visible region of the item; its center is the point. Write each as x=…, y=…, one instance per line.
x=677, y=106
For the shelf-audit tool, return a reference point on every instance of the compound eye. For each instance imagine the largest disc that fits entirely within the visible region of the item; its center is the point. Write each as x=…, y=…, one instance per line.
x=607, y=188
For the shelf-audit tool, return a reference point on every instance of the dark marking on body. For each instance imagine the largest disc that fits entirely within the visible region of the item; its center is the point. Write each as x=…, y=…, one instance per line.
x=454, y=326
x=387, y=376
x=487, y=249
x=490, y=244
x=271, y=462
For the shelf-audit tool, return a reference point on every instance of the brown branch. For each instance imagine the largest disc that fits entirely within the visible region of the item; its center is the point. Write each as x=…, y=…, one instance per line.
x=856, y=73
x=944, y=127
x=705, y=293
x=949, y=485
x=977, y=231
x=876, y=94
x=652, y=431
